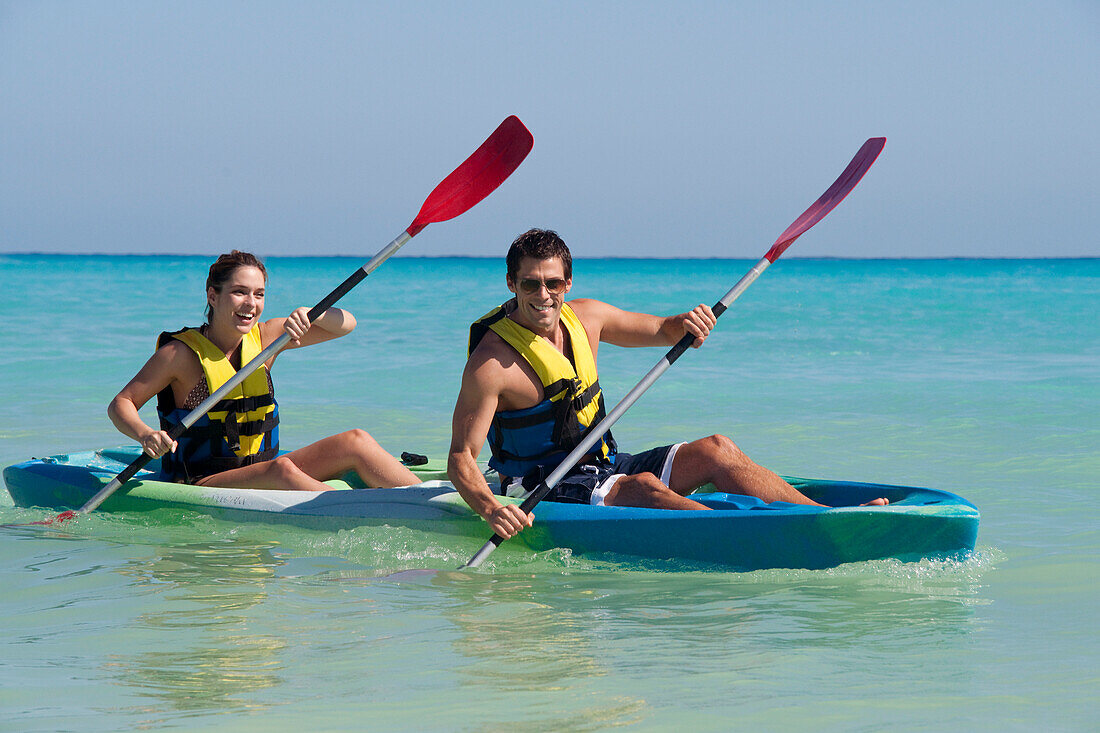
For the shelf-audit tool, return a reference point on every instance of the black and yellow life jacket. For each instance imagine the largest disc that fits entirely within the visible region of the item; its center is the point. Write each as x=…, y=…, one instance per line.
x=542, y=435
x=239, y=430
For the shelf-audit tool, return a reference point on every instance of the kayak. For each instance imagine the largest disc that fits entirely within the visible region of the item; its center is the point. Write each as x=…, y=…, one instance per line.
x=741, y=533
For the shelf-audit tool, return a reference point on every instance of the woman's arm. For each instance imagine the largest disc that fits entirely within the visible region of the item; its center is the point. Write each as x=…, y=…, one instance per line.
x=157, y=374
x=333, y=323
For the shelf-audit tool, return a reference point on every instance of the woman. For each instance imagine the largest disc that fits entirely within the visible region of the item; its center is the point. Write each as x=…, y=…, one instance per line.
x=237, y=442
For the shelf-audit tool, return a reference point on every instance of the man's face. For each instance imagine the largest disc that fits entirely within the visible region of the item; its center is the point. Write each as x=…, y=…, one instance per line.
x=540, y=287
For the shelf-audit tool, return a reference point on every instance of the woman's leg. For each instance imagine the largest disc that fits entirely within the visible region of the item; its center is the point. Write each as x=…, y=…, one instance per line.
x=353, y=450
x=306, y=468
x=278, y=473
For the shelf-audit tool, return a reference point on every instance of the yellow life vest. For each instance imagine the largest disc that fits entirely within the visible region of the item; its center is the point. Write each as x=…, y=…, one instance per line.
x=239, y=430
x=572, y=399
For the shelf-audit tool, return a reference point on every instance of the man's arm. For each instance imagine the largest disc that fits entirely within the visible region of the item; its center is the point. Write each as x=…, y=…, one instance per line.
x=613, y=325
x=473, y=415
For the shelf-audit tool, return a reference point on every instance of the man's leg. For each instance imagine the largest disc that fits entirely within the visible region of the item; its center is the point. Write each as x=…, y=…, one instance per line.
x=717, y=460
x=646, y=490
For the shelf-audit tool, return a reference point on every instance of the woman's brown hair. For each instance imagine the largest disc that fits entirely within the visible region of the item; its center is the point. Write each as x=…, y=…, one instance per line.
x=225, y=266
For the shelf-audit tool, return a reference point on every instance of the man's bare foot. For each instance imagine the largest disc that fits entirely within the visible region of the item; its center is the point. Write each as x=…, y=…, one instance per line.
x=877, y=502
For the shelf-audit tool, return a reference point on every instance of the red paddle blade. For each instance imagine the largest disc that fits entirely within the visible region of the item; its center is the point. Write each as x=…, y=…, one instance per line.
x=841, y=187
x=63, y=516
x=478, y=176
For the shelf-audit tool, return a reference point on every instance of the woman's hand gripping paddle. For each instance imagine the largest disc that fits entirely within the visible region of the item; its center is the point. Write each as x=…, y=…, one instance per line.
x=828, y=201
x=477, y=177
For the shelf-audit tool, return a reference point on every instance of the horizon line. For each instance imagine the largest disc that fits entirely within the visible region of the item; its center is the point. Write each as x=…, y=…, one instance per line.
x=29, y=253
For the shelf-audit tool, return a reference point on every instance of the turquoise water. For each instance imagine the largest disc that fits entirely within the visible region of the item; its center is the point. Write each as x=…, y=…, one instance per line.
x=978, y=377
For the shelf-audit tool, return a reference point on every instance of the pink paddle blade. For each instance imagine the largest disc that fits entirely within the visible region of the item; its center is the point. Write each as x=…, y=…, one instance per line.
x=841, y=187
x=478, y=176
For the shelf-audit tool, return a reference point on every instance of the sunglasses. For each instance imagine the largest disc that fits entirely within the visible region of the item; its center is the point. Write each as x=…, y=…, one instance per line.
x=554, y=286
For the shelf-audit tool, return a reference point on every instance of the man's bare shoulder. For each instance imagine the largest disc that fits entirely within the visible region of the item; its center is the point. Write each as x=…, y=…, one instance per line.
x=496, y=369
x=590, y=309
x=491, y=356
x=584, y=305
x=595, y=315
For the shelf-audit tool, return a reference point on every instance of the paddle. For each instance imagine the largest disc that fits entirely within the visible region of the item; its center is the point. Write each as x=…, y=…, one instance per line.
x=841, y=187
x=477, y=177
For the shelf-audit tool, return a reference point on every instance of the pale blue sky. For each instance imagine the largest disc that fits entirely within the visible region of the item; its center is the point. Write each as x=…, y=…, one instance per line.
x=661, y=129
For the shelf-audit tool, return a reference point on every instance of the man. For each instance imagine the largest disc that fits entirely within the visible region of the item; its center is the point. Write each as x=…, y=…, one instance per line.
x=531, y=388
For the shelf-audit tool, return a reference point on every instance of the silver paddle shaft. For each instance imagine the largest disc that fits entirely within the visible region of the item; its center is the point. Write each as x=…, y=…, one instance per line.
x=596, y=434
x=586, y=445
x=272, y=349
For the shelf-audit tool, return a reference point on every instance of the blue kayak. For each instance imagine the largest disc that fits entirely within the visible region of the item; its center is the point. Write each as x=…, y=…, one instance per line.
x=741, y=533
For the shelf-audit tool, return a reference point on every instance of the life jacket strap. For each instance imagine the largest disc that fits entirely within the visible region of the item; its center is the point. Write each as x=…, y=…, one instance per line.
x=244, y=404
x=234, y=430
x=503, y=454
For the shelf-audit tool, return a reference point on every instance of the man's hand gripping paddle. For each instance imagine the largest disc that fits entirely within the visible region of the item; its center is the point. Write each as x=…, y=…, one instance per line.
x=477, y=177
x=841, y=187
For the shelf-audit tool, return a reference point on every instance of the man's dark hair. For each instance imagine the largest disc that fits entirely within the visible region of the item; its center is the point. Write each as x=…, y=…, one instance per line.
x=540, y=244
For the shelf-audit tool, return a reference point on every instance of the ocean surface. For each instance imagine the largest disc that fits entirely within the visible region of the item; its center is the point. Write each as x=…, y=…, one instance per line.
x=977, y=377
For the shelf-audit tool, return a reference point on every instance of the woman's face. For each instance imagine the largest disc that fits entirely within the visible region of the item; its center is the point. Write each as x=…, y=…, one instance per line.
x=241, y=300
